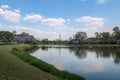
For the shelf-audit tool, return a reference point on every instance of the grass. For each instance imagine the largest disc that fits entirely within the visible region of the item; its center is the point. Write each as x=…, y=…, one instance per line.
x=13, y=68
x=45, y=66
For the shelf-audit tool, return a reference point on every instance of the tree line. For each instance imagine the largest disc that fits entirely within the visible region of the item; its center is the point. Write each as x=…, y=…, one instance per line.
x=7, y=37
x=100, y=38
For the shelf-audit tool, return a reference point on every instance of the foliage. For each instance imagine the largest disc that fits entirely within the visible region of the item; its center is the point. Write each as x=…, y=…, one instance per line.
x=116, y=32
x=6, y=37
x=24, y=39
x=80, y=36
x=45, y=66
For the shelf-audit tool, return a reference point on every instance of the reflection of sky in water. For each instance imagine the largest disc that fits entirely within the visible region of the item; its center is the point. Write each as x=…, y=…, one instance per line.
x=87, y=64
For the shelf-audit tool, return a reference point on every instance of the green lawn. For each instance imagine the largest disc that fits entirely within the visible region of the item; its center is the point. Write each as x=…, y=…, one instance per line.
x=12, y=68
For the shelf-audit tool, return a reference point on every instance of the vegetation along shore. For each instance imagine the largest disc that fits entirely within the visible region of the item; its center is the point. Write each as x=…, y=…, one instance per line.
x=20, y=52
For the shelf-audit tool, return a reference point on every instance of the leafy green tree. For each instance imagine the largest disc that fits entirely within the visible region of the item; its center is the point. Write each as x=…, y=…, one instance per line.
x=80, y=36
x=116, y=32
x=6, y=37
x=105, y=35
x=97, y=35
x=23, y=34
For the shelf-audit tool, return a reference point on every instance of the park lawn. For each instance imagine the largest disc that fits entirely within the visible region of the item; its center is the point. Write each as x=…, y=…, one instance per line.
x=12, y=68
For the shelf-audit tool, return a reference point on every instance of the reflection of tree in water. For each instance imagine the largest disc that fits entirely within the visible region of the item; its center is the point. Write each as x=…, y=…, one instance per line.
x=109, y=52
x=117, y=57
x=78, y=52
x=100, y=53
x=44, y=48
x=104, y=53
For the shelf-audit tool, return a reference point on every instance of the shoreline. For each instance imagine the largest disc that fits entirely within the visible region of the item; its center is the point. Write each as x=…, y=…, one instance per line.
x=13, y=68
x=83, y=45
x=43, y=65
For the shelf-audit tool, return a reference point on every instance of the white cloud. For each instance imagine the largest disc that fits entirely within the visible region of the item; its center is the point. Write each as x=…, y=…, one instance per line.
x=17, y=10
x=96, y=66
x=58, y=23
x=91, y=21
x=33, y=18
x=9, y=15
x=5, y=6
x=101, y=1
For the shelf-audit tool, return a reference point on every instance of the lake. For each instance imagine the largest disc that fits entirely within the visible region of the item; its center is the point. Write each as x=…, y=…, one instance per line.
x=91, y=63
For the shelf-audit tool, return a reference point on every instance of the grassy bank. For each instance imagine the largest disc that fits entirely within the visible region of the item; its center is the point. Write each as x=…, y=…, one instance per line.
x=13, y=68
x=44, y=66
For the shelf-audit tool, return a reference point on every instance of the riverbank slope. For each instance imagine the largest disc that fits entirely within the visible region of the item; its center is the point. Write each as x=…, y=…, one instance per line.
x=13, y=68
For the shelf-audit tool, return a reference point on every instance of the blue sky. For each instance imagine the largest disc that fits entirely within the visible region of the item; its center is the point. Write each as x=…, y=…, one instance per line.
x=49, y=18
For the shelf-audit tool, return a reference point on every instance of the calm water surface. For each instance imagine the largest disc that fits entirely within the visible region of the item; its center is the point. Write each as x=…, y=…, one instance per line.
x=92, y=63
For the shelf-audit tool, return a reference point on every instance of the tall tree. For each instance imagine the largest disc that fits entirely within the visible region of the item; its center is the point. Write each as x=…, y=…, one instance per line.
x=23, y=34
x=97, y=35
x=80, y=36
x=116, y=32
x=105, y=35
x=6, y=36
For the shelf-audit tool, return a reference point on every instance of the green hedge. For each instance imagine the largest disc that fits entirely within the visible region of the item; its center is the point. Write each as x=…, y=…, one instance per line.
x=45, y=66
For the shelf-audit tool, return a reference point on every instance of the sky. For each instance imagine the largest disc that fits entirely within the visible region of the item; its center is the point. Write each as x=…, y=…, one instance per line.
x=49, y=18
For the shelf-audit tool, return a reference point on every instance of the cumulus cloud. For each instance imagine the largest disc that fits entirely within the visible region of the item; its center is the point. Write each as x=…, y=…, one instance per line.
x=17, y=10
x=33, y=18
x=10, y=15
x=58, y=23
x=91, y=21
x=5, y=6
x=101, y=1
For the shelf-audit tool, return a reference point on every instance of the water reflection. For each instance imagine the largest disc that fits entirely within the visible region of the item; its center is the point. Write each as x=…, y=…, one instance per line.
x=100, y=52
x=82, y=52
x=93, y=63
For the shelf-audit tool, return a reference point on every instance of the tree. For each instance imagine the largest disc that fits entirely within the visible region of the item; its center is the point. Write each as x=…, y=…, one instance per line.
x=80, y=36
x=105, y=35
x=116, y=29
x=97, y=35
x=23, y=34
x=6, y=37
x=116, y=32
